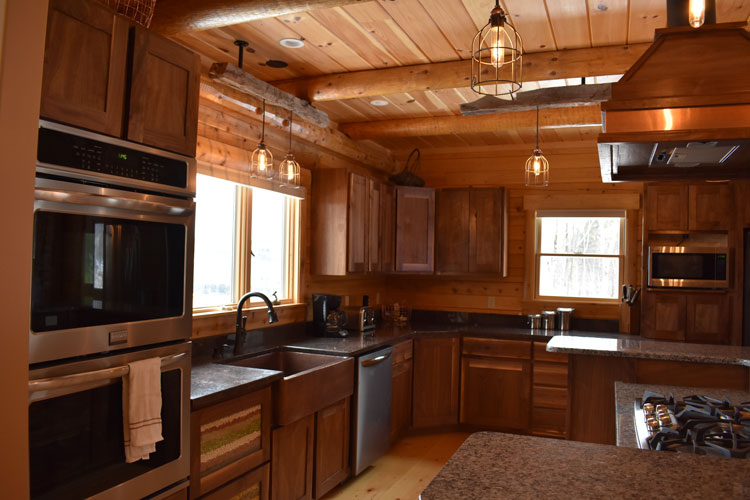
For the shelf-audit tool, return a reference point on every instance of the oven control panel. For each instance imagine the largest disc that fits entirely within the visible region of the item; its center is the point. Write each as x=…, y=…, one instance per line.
x=83, y=153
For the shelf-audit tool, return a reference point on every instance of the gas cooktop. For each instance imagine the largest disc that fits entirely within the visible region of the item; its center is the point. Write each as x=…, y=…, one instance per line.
x=697, y=424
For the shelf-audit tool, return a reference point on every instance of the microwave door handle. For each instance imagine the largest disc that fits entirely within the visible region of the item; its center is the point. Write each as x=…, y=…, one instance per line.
x=47, y=388
x=145, y=206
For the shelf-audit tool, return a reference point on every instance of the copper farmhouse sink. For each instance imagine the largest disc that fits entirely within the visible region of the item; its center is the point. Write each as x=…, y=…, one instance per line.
x=311, y=382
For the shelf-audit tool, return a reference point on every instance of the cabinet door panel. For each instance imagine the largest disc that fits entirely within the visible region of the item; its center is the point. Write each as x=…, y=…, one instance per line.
x=292, y=460
x=164, y=94
x=664, y=316
x=85, y=88
x=253, y=486
x=357, y=224
x=374, y=229
x=496, y=393
x=331, y=447
x=452, y=231
x=436, y=368
x=708, y=318
x=549, y=422
x=388, y=228
x=487, y=231
x=709, y=206
x=401, y=398
x=415, y=229
x=553, y=374
x=667, y=207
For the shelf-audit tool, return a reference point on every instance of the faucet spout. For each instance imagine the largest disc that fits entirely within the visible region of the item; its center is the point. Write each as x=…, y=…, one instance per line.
x=240, y=332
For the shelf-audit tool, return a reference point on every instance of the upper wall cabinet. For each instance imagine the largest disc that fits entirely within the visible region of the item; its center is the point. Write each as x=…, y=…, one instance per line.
x=352, y=223
x=693, y=207
x=471, y=231
x=89, y=81
x=415, y=229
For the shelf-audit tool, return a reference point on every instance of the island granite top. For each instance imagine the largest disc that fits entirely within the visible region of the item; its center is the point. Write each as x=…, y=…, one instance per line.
x=636, y=347
x=626, y=394
x=491, y=465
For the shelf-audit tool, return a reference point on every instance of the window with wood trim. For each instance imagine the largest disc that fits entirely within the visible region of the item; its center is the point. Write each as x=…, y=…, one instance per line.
x=579, y=255
x=246, y=239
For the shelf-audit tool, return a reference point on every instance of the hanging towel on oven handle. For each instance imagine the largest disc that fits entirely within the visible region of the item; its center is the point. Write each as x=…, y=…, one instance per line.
x=141, y=408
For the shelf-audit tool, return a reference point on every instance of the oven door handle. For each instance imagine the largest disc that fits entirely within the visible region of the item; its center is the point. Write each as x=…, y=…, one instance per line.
x=46, y=388
x=131, y=205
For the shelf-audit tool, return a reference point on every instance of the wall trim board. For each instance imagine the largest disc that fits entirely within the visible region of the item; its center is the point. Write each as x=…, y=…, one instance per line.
x=623, y=201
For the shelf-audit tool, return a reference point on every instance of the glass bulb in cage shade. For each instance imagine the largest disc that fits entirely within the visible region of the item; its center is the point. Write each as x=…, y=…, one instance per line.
x=696, y=13
x=289, y=171
x=537, y=169
x=262, y=162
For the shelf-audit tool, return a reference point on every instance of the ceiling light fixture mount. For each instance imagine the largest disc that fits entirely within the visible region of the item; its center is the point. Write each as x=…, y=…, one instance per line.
x=496, y=54
x=379, y=102
x=292, y=43
x=537, y=166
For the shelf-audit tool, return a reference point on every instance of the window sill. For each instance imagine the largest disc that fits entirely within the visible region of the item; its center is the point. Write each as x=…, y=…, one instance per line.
x=593, y=309
x=211, y=323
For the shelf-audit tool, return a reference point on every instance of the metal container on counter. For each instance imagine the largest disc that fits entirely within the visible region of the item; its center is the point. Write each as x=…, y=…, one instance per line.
x=548, y=319
x=534, y=321
x=564, y=316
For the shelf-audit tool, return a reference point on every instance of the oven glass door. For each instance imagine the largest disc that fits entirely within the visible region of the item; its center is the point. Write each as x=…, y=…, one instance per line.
x=91, y=270
x=76, y=440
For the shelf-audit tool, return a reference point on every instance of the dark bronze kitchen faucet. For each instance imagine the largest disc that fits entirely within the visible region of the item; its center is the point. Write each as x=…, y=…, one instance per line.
x=240, y=332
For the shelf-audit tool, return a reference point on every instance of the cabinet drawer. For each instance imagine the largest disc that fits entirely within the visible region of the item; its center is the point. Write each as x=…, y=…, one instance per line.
x=554, y=374
x=550, y=397
x=541, y=354
x=402, y=351
x=549, y=422
x=253, y=485
x=498, y=348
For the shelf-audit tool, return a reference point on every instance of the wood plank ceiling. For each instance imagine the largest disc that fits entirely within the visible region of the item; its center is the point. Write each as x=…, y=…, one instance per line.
x=390, y=33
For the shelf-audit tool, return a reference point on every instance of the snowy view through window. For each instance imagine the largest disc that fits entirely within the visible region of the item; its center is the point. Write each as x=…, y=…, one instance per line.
x=214, y=242
x=579, y=257
x=269, y=243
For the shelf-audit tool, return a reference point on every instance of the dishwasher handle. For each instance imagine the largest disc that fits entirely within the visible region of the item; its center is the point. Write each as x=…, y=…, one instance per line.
x=375, y=361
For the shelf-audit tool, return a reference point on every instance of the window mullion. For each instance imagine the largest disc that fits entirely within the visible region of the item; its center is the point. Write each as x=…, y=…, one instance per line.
x=242, y=241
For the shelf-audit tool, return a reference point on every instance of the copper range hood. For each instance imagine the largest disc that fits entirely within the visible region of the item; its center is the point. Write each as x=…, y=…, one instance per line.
x=683, y=110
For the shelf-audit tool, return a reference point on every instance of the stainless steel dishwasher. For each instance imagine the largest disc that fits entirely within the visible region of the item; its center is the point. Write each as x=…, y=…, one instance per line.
x=372, y=421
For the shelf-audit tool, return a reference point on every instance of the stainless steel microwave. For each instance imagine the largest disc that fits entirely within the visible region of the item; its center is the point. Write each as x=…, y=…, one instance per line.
x=688, y=267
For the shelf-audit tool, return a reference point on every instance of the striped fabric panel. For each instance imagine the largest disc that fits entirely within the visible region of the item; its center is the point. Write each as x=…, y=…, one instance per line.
x=229, y=419
x=252, y=493
x=237, y=437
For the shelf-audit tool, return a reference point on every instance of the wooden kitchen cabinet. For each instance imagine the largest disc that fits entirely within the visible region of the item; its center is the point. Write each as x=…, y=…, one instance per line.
x=401, y=389
x=436, y=379
x=374, y=230
x=89, y=78
x=415, y=229
x=687, y=207
x=164, y=93
x=228, y=440
x=292, y=460
x=709, y=318
x=331, y=447
x=253, y=485
x=357, y=230
x=388, y=228
x=85, y=56
x=452, y=209
x=496, y=383
x=550, y=397
x=664, y=315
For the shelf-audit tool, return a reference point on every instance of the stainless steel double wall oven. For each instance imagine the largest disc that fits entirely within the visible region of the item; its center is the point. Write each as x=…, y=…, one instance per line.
x=111, y=284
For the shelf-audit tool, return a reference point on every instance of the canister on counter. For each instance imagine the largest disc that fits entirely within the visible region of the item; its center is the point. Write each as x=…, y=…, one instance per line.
x=564, y=316
x=548, y=319
x=534, y=321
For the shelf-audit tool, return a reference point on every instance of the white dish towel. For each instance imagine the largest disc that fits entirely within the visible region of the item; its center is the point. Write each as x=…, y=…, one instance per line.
x=141, y=408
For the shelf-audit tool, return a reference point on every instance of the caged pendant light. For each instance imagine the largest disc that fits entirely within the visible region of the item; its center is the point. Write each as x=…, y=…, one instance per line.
x=496, y=56
x=537, y=166
x=262, y=162
x=289, y=168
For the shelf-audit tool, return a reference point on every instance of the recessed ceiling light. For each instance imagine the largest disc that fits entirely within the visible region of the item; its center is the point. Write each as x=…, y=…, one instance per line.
x=274, y=63
x=291, y=43
x=379, y=102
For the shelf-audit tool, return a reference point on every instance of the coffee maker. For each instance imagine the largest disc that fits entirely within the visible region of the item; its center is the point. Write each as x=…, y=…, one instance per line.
x=328, y=319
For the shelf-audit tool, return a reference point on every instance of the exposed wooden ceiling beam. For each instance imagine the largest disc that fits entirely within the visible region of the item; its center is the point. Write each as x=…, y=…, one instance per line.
x=245, y=82
x=574, y=63
x=555, y=97
x=446, y=125
x=175, y=16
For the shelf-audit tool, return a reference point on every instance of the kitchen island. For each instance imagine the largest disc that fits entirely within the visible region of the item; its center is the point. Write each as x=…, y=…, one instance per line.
x=491, y=465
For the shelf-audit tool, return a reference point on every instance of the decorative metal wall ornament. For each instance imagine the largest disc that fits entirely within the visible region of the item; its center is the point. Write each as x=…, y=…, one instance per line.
x=262, y=163
x=537, y=166
x=496, y=54
x=289, y=168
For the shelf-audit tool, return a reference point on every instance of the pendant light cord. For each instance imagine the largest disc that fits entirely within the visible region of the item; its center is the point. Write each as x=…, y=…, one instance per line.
x=263, y=123
x=291, y=121
x=537, y=127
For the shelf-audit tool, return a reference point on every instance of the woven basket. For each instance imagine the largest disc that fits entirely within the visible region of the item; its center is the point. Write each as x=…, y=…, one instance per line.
x=408, y=176
x=140, y=11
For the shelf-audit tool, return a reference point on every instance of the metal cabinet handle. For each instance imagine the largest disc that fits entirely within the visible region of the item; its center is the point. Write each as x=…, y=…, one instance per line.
x=375, y=361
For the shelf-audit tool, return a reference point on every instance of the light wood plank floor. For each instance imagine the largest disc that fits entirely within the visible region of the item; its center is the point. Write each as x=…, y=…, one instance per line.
x=404, y=472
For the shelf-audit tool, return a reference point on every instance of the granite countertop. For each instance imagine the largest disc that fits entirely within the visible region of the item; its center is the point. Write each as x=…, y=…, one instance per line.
x=625, y=395
x=212, y=383
x=635, y=347
x=495, y=465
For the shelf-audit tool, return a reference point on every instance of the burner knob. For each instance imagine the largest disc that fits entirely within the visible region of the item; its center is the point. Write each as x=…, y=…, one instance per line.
x=660, y=408
x=665, y=419
x=648, y=408
x=653, y=424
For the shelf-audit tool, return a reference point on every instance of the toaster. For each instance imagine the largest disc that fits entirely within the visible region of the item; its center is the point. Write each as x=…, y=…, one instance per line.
x=360, y=319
